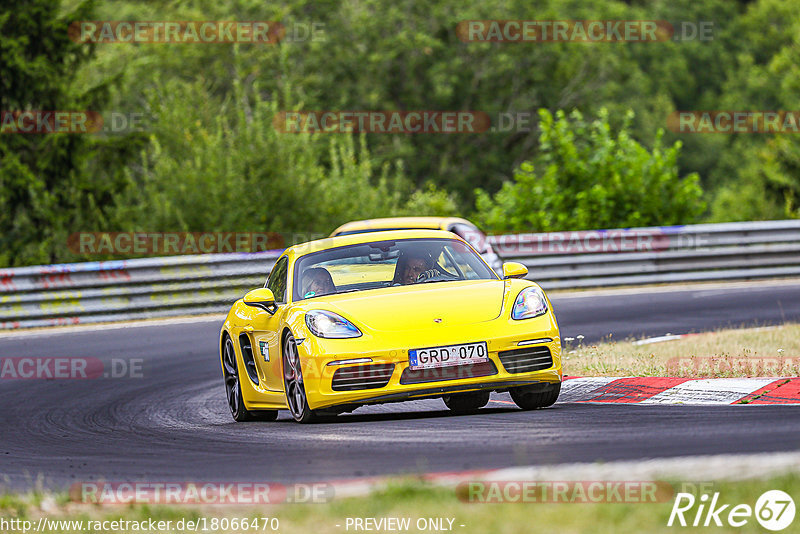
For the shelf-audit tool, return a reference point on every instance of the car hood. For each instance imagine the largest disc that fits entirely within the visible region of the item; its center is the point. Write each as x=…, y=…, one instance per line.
x=419, y=306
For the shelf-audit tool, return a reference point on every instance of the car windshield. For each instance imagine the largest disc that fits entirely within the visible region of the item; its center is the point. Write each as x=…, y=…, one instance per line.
x=385, y=264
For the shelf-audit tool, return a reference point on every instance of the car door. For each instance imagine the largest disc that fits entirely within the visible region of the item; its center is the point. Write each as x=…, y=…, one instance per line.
x=266, y=329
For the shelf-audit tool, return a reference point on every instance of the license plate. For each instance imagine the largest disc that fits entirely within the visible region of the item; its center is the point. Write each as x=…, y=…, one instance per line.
x=448, y=355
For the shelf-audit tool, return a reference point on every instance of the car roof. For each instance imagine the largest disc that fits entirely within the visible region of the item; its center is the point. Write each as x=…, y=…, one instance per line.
x=302, y=249
x=439, y=223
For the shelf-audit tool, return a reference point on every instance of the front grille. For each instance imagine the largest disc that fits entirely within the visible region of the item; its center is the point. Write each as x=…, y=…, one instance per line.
x=453, y=372
x=526, y=360
x=362, y=377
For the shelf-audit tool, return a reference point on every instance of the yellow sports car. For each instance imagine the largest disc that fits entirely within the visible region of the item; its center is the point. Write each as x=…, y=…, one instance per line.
x=384, y=317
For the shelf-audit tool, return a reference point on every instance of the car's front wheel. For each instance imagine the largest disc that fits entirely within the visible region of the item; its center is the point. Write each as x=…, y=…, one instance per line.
x=233, y=389
x=466, y=402
x=537, y=396
x=293, y=383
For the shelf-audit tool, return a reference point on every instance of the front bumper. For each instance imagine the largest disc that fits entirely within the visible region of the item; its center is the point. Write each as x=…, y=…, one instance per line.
x=390, y=350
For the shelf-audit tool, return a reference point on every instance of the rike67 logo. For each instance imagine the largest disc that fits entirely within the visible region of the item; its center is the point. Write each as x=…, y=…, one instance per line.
x=774, y=510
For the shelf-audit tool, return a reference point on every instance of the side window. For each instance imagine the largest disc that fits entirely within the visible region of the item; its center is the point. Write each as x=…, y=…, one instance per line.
x=277, y=280
x=445, y=263
x=461, y=260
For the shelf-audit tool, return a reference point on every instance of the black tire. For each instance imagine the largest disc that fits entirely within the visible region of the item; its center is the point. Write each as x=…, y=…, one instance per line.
x=293, y=384
x=233, y=389
x=534, y=397
x=463, y=403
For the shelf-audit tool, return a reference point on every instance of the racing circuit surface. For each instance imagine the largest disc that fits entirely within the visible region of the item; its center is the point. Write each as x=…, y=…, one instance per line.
x=173, y=423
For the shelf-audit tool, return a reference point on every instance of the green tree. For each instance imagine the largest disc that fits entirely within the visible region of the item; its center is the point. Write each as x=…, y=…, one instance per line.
x=211, y=158
x=46, y=189
x=219, y=165
x=586, y=176
x=757, y=175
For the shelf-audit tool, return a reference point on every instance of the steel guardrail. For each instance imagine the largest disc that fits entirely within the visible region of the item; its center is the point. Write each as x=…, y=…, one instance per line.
x=91, y=292
x=78, y=293
x=702, y=252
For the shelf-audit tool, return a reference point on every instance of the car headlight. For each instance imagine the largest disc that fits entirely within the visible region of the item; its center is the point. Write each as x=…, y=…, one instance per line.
x=330, y=325
x=530, y=303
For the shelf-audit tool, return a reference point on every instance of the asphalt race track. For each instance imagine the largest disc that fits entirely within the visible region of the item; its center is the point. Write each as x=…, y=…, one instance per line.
x=173, y=424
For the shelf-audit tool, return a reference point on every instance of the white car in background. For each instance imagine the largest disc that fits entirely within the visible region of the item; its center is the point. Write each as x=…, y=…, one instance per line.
x=461, y=227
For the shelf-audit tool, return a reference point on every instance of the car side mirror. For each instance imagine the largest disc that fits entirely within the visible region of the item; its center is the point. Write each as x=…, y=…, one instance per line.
x=261, y=298
x=512, y=269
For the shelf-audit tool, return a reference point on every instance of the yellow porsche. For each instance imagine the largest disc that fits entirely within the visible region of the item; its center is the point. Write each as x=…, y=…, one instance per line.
x=388, y=316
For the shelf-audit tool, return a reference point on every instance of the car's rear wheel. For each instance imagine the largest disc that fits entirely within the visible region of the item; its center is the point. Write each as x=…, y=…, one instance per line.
x=466, y=402
x=293, y=383
x=233, y=389
x=537, y=396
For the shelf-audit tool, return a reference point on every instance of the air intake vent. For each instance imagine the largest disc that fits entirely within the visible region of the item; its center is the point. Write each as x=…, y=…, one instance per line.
x=453, y=372
x=247, y=356
x=526, y=360
x=362, y=377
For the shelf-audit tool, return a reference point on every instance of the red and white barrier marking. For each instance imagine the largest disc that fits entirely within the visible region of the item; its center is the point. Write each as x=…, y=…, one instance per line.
x=667, y=390
x=579, y=389
x=787, y=391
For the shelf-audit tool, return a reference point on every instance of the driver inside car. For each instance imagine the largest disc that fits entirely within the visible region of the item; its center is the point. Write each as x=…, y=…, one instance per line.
x=411, y=265
x=316, y=282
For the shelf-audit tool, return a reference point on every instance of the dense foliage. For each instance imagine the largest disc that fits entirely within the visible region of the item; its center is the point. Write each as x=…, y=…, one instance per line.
x=585, y=177
x=208, y=157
